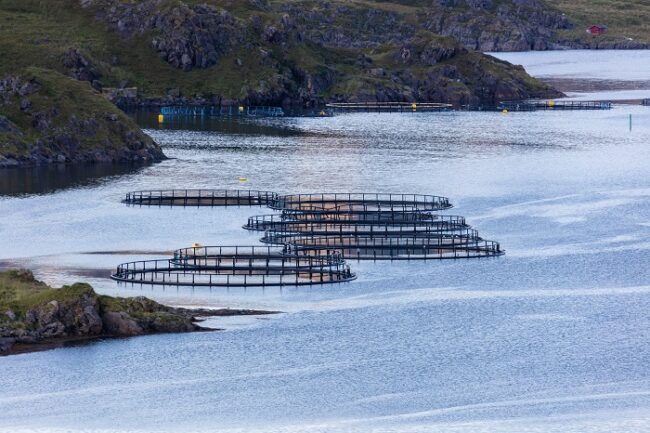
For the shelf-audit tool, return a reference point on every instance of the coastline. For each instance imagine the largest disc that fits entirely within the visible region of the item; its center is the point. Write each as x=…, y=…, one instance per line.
x=57, y=343
x=36, y=317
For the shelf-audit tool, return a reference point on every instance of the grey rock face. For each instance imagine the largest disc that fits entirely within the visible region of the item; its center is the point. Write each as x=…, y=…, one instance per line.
x=188, y=36
x=486, y=25
x=79, y=66
x=7, y=126
x=6, y=343
x=120, y=323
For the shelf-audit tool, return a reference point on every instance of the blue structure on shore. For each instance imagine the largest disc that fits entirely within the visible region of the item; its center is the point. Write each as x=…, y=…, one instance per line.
x=220, y=111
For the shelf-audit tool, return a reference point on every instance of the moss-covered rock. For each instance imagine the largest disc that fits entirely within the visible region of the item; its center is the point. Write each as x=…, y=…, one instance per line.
x=33, y=314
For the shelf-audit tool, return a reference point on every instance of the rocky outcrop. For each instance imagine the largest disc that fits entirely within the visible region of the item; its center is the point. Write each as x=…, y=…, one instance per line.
x=80, y=67
x=46, y=117
x=186, y=36
x=33, y=316
x=489, y=25
x=300, y=52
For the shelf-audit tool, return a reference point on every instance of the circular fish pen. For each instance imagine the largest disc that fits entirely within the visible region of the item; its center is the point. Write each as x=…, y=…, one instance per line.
x=255, y=258
x=391, y=248
x=312, y=237
x=339, y=226
x=359, y=202
x=238, y=266
x=369, y=217
x=200, y=197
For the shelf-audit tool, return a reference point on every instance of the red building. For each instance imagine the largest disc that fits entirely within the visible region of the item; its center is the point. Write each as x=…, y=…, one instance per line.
x=597, y=29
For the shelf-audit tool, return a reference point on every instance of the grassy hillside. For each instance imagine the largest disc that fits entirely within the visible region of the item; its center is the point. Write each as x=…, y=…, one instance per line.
x=273, y=51
x=625, y=19
x=46, y=116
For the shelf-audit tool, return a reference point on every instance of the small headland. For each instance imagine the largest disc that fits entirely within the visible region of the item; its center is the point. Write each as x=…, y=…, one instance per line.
x=35, y=316
x=46, y=117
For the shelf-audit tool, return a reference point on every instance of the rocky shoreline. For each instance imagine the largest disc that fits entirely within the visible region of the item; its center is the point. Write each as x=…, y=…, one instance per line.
x=34, y=316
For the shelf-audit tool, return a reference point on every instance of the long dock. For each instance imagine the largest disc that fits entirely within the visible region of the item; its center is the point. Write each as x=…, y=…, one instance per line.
x=554, y=105
x=389, y=107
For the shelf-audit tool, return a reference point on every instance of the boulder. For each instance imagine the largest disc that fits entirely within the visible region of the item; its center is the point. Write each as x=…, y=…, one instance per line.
x=121, y=324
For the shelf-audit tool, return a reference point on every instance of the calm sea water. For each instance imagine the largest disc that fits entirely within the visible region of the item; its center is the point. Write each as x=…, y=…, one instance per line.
x=630, y=65
x=552, y=337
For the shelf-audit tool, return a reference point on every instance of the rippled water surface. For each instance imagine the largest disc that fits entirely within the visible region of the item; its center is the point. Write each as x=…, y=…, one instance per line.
x=554, y=336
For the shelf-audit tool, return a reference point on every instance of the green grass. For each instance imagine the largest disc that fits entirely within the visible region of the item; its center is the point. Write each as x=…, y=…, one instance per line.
x=20, y=292
x=38, y=32
x=625, y=18
x=65, y=98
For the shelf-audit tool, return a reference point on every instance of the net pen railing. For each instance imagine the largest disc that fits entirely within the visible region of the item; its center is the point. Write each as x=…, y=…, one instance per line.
x=335, y=242
x=293, y=268
x=359, y=202
x=281, y=224
x=199, y=197
x=396, y=216
x=255, y=257
x=414, y=249
x=372, y=230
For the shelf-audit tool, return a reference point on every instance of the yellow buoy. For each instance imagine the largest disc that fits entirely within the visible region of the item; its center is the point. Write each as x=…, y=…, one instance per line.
x=322, y=113
x=242, y=179
x=505, y=111
x=414, y=106
x=551, y=104
x=241, y=108
x=161, y=118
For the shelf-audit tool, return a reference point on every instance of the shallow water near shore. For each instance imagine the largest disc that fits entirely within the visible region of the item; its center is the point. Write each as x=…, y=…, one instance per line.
x=552, y=337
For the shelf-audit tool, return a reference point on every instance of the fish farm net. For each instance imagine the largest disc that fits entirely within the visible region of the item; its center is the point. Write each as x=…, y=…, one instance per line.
x=364, y=226
x=238, y=266
x=200, y=197
x=309, y=240
x=359, y=202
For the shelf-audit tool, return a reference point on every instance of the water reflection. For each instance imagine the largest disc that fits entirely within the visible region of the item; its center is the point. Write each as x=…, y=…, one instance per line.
x=148, y=118
x=50, y=178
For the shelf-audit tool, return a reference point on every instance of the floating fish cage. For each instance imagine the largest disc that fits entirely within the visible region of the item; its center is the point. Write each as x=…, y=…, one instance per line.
x=309, y=240
x=253, y=258
x=375, y=229
x=366, y=223
x=200, y=197
x=239, y=266
x=390, y=248
x=389, y=107
x=367, y=217
x=359, y=202
x=553, y=105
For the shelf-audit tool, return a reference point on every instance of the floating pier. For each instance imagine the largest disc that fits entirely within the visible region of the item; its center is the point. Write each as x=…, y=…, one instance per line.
x=389, y=107
x=238, y=266
x=219, y=111
x=199, y=197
